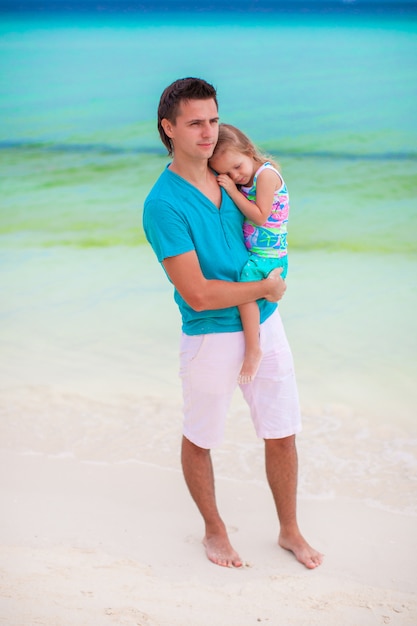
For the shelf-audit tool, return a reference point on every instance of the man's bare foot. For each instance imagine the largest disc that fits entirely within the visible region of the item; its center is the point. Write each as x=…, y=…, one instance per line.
x=250, y=367
x=302, y=551
x=220, y=552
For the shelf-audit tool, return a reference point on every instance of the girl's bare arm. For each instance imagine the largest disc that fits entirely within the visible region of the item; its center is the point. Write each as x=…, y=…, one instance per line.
x=258, y=212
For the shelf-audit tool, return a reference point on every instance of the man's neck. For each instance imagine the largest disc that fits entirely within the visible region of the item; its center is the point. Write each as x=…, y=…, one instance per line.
x=195, y=172
x=198, y=174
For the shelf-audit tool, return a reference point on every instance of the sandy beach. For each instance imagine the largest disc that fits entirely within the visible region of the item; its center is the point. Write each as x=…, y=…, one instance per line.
x=97, y=525
x=89, y=543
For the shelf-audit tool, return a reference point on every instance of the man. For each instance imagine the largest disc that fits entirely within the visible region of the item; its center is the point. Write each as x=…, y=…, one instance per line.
x=196, y=232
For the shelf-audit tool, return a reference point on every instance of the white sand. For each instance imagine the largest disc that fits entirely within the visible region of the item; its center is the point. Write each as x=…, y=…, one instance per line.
x=97, y=526
x=95, y=544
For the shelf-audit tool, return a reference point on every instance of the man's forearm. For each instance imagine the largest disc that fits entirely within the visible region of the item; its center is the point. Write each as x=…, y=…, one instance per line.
x=203, y=294
x=219, y=294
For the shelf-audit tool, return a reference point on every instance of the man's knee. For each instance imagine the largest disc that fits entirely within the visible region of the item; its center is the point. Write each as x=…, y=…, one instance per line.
x=284, y=444
x=193, y=448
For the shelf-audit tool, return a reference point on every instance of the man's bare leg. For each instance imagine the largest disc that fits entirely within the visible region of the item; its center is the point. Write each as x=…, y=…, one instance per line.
x=282, y=470
x=198, y=474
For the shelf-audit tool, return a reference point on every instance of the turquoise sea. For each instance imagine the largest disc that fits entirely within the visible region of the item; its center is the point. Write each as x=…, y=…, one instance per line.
x=332, y=97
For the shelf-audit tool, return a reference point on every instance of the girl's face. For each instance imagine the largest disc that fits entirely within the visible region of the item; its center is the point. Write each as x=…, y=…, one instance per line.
x=240, y=167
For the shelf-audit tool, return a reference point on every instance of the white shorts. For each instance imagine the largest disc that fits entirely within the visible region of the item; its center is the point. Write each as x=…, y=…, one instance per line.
x=209, y=367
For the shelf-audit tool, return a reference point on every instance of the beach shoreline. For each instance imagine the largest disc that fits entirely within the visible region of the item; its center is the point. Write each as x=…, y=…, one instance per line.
x=103, y=322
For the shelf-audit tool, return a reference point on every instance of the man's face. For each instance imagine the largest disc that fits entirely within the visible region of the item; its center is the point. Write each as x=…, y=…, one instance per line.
x=195, y=131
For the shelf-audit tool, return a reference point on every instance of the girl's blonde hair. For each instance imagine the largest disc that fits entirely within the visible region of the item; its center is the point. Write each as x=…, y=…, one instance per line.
x=231, y=137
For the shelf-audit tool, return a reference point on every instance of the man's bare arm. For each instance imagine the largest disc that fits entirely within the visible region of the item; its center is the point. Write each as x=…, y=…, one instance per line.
x=202, y=294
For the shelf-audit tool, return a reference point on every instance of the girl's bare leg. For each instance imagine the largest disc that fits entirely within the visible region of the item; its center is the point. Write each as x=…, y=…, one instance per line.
x=249, y=314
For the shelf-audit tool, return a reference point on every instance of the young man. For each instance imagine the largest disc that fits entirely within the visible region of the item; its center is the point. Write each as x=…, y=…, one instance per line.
x=196, y=232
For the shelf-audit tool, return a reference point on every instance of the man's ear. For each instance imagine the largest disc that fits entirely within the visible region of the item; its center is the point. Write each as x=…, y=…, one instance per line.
x=167, y=126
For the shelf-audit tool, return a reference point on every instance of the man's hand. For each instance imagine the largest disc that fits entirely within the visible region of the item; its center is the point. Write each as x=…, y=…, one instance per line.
x=276, y=285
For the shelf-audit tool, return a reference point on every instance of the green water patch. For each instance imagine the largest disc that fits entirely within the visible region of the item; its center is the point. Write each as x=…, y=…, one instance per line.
x=95, y=198
x=75, y=199
x=353, y=205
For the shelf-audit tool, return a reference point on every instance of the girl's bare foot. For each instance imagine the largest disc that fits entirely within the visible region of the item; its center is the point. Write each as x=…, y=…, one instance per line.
x=250, y=366
x=220, y=552
x=302, y=551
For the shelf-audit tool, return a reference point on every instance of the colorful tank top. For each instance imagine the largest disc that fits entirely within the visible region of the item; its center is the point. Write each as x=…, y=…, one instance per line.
x=269, y=240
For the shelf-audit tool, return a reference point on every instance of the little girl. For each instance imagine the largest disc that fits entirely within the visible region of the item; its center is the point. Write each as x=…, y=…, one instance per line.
x=257, y=188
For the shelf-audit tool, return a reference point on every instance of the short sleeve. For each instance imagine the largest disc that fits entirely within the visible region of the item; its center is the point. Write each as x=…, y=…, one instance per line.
x=166, y=230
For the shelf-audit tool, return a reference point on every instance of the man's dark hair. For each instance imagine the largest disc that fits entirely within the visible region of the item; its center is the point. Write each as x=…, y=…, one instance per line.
x=181, y=90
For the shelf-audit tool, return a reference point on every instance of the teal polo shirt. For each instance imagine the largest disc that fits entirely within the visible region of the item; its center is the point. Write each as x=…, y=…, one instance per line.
x=178, y=218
